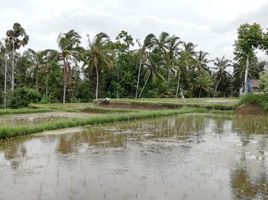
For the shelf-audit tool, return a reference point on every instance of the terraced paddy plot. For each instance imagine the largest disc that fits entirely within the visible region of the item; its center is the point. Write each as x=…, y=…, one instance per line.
x=183, y=157
x=34, y=118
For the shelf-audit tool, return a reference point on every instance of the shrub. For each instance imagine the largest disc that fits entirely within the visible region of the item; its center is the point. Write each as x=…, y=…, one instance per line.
x=44, y=100
x=23, y=96
x=259, y=99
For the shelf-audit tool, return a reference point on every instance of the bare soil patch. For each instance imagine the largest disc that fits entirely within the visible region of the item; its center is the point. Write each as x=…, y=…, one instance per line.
x=250, y=108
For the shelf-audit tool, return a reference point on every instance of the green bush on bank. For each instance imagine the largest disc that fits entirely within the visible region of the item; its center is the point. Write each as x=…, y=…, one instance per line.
x=259, y=99
x=22, y=97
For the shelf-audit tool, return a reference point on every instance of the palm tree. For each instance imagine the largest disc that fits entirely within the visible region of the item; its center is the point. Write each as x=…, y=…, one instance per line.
x=41, y=62
x=203, y=83
x=142, y=54
x=201, y=61
x=171, y=54
x=16, y=38
x=153, y=66
x=69, y=45
x=185, y=61
x=99, y=54
x=3, y=52
x=221, y=74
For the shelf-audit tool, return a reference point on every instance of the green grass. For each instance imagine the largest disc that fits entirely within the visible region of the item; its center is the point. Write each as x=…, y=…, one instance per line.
x=203, y=105
x=6, y=132
x=78, y=107
x=23, y=111
x=208, y=103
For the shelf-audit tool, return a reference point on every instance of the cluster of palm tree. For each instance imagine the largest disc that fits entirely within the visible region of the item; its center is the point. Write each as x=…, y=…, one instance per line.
x=170, y=59
x=158, y=66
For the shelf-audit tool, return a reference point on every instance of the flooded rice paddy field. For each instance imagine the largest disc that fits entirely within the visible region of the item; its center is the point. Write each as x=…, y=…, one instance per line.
x=34, y=118
x=184, y=157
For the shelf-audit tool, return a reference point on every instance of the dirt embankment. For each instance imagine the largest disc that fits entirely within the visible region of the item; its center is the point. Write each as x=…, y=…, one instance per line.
x=250, y=108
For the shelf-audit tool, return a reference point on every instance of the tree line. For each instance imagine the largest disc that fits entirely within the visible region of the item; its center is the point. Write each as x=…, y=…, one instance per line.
x=157, y=66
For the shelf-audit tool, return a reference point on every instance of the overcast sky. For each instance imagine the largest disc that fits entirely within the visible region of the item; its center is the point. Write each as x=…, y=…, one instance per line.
x=210, y=24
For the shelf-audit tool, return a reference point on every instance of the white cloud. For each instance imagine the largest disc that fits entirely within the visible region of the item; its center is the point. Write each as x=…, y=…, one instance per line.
x=211, y=24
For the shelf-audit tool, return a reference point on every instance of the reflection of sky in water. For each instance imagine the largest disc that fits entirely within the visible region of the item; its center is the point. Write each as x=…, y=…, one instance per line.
x=172, y=158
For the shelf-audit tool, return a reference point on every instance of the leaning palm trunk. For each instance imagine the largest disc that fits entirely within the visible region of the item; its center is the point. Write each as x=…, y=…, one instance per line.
x=97, y=82
x=178, y=84
x=46, y=85
x=216, y=88
x=200, y=92
x=64, y=81
x=13, y=67
x=246, y=75
x=5, y=84
x=144, y=85
x=138, y=80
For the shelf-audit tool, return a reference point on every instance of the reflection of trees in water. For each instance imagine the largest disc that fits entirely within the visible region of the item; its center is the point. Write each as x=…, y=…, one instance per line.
x=219, y=125
x=243, y=187
x=118, y=134
x=69, y=143
x=66, y=144
x=14, y=148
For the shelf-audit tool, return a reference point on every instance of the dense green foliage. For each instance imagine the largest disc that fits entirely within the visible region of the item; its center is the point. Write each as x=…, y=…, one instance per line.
x=22, y=97
x=158, y=66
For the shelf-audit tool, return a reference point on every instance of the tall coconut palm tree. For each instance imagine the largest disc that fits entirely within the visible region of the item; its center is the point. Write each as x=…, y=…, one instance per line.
x=142, y=55
x=221, y=65
x=15, y=39
x=41, y=62
x=69, y=45
x=170, y=50
x=204, y=83
x=201, y=61
x=3, y=56
x=100, y=54
x=162, y=41
x=185, y=61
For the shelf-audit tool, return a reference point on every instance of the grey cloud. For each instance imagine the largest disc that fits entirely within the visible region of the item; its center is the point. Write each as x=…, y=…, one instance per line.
x=259, y=16
x=209, y=24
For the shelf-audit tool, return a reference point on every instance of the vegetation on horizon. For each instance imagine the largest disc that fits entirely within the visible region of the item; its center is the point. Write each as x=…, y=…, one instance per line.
x=159, y=66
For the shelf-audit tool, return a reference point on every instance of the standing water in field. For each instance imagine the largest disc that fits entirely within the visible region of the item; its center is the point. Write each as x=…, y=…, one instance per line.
x=184, y=157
